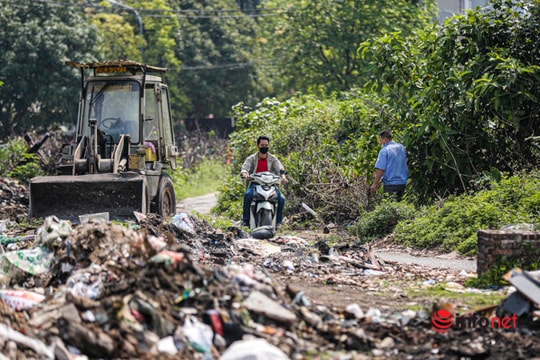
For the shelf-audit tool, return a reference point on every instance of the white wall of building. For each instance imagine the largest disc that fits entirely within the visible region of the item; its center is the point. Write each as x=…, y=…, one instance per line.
x=448, y=8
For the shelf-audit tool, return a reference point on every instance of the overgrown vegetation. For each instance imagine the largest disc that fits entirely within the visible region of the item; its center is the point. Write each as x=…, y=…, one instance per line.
x=453, y=223
x=17, y=163
x=203, y=163
x=382, y=220
x=465, y=94
x=494, y=275
x=206, y=177
x=461, y=97
x=323, y=166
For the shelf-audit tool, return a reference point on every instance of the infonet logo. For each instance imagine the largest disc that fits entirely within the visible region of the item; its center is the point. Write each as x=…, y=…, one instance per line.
x=442, y=320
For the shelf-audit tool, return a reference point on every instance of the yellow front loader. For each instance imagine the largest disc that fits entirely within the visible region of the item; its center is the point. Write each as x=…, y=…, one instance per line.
x=124, y=148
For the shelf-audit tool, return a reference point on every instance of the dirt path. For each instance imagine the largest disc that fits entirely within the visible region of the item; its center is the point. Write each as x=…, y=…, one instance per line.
x=467, y=265
x=388, y=292
x=204, y=203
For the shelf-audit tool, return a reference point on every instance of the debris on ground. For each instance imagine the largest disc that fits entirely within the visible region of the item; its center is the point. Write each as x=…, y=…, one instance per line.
x=182, y=289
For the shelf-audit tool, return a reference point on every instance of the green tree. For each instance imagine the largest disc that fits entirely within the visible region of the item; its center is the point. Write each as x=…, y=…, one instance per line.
x=215, y=44
x=36, y=38
x=313, y=44
x=160, y=28
x=466, y=94
x=118, y=37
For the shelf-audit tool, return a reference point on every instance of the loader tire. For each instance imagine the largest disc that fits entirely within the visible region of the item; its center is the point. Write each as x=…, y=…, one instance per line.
x=166, y=198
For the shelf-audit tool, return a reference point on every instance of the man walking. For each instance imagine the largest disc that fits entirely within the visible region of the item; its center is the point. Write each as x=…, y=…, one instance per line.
x=391, y=167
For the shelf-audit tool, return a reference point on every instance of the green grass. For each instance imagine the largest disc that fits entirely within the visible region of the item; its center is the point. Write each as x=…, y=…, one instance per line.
x=466, y=299
x=203, y=179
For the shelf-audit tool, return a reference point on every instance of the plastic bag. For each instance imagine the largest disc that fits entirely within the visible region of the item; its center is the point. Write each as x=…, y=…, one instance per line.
x=199, y=334
x=20, y=300
x=20, y=263
x=255, y=349
x=263, y=232
x=183, y=222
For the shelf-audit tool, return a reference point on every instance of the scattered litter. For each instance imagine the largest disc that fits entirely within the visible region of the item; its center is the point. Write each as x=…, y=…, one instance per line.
x=253, y=349
x=527, y=285
x=152, y=290
x=262, y=248
x=183, y=222
x=374, y=272
x=263, y=232
x=20, y=299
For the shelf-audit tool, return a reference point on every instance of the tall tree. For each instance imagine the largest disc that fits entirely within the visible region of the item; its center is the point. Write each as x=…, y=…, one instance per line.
x=215, y=45
x=313, y=44
x=36, y=38
x=466, y=95
x=160, y=26
x=119, y=31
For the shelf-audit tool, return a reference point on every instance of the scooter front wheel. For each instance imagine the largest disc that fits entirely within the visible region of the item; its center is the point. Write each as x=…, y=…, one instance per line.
x=264, y=217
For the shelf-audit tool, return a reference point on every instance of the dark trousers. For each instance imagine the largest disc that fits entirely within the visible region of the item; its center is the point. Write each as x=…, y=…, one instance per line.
x=248, y=198
x=394, y=191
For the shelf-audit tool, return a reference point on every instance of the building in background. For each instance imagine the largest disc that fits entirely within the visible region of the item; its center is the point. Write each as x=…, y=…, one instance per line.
x=448, y=8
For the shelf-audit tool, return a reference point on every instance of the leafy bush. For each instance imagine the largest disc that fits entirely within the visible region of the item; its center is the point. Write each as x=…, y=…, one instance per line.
x=328, y=166
x=466, y=93
x=15, y=162
x=201, y=179
x=454, y=224
x=382, y=220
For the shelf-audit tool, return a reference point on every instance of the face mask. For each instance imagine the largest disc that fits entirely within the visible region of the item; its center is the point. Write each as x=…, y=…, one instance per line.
x=263, y=150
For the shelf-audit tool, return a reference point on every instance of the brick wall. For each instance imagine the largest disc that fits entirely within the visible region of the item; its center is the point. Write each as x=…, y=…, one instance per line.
x=506, y=245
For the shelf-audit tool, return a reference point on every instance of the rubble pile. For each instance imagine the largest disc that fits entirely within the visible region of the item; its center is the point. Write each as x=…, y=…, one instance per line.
x=13, y=199
x=185, y=290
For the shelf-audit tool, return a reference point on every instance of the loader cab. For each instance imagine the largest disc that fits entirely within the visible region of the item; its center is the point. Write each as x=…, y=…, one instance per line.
x=157, y=126
x=124, y=112
x=115, y=105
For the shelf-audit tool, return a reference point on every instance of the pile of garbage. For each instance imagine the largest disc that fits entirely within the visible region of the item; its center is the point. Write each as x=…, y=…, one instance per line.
x=181, y=289
x=13, y=199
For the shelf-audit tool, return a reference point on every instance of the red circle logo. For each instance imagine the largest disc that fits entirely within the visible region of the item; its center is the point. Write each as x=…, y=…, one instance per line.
x=441, y=320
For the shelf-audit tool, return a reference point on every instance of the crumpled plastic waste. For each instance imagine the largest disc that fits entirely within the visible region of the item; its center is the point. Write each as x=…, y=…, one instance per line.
x=289, y=266
x=198, y=333
x=35, y=261
x=355, y=310
x=20, y=300
x=90, y=282
x=15, y=264
x=9, y=240
x=259, y=247
x=253, y=349
x=171, y=259
x=53, y=232
x=183, y=222
x=263, y=232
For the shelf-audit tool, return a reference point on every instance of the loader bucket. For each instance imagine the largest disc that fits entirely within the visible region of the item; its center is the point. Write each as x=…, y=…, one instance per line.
x=67, y=197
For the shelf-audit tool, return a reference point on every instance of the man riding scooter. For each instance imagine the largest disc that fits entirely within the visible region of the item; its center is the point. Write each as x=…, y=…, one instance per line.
x=262, y=161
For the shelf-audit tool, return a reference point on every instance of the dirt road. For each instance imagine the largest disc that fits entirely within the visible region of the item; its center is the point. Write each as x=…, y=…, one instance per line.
x=201, y=204
x=204, y=203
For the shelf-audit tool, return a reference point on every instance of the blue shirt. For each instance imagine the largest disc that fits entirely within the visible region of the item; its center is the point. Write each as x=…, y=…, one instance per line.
x=392, y=160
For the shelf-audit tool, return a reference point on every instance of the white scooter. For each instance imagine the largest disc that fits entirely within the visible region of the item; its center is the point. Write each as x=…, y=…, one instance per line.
x=263, y=209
